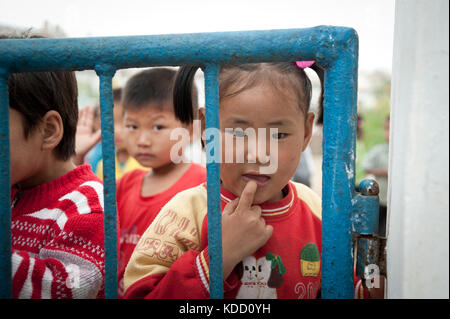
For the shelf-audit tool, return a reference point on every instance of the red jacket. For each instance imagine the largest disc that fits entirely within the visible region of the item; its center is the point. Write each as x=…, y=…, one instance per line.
x=171, y=259
x=136, y=212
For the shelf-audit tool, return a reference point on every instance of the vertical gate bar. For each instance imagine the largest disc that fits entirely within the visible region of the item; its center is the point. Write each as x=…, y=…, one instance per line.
x=213, y=182
x=105, y=74
x=339, y=139
x=5, y=192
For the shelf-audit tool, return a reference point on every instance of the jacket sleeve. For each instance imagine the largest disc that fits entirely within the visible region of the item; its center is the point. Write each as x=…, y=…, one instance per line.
x=167, y=261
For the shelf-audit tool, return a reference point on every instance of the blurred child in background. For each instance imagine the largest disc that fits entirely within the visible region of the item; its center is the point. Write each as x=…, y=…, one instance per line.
x=124, y=162
x=149, y=119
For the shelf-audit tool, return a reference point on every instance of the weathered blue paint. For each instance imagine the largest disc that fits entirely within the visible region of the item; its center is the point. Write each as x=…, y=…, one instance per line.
x=365, y=215
x=5, y=192
x=368, y=250
x=339, y=132
x=334, y=48
x=365, y=209
x=365, y=225
x=105, y=73
x=323, y=43
x=213, y=182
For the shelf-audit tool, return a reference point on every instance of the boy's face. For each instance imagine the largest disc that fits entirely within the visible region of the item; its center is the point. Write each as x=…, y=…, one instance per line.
x=147, y=133
x=264, y=107
x=24, y=152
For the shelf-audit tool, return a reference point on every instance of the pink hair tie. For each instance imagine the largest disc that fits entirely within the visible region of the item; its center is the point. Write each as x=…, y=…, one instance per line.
x=304, y=64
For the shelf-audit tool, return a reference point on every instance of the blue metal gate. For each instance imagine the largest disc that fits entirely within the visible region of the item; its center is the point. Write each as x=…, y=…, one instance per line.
x=345, y=212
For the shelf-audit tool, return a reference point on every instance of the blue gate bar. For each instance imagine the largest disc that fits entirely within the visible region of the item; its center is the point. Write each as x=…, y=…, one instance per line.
x=5, y=192
x=105, y=74
x=213, y=181
x=334, y=48
x=338, y=190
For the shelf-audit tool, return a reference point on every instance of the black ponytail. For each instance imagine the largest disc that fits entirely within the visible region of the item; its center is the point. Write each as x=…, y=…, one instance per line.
x=321, y=74
x=184, y=107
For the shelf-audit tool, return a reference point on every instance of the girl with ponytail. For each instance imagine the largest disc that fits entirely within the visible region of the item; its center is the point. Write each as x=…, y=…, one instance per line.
x=271, y=226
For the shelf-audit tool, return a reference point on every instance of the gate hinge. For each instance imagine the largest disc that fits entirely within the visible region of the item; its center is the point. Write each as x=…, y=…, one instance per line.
x=369, y=246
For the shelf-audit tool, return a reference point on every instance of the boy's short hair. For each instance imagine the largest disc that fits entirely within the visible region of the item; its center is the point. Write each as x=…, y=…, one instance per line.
x=33, y=94
x=117, y=95
x=150, y=85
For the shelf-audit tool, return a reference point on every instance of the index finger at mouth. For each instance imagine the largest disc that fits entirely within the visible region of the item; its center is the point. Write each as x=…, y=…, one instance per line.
x=248, y=195
x=231, y=206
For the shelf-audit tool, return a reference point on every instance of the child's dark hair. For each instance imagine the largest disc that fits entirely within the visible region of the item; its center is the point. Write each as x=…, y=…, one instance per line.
x=117, y=95
x=33, y=94
x=237, y=78
x=151, y=85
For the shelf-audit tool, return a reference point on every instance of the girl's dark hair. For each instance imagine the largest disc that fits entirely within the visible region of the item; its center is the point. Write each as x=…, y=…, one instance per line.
x=237, y=78
x=33, y=94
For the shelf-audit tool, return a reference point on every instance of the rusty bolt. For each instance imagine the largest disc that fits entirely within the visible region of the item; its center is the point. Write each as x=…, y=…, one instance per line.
x=369, y=187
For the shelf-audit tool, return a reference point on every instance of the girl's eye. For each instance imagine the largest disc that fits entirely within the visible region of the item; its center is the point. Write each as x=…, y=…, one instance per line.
x=131, y=127
x=238, y=132
x=279, y=136
x=157, y=127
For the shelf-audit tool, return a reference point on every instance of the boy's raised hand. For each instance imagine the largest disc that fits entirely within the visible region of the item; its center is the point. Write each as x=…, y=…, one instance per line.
x=243, y=229
x=85, y=138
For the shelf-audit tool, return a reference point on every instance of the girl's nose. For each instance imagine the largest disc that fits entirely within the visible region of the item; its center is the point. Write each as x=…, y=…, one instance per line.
x=252, y=152
x=257, y=149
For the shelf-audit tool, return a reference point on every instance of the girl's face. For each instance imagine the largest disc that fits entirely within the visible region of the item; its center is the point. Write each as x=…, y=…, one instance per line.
x=263, y=106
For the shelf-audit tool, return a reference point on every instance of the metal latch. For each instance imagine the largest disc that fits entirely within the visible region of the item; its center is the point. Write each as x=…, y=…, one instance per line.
x=369, y=246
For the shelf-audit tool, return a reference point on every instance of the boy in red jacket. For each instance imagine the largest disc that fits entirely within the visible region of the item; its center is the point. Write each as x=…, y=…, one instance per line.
x=56, y=207
x=149, y=121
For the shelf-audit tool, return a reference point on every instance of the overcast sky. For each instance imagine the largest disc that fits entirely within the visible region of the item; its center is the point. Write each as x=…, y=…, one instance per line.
x=372, y=19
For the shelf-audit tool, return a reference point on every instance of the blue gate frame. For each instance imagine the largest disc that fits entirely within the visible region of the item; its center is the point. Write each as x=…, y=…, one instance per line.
x=334, y=48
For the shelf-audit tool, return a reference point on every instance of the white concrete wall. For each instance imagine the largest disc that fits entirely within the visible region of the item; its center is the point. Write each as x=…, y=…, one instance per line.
x=418, y=241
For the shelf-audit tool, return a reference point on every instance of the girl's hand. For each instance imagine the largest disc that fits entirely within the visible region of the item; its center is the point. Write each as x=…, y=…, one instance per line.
x=243, y=229
x=85, y=138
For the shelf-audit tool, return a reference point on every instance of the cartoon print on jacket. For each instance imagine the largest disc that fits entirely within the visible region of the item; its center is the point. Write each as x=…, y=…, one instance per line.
x=260, y=277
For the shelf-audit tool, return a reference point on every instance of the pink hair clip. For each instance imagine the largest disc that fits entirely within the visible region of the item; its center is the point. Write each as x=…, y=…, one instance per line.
x=304, y=64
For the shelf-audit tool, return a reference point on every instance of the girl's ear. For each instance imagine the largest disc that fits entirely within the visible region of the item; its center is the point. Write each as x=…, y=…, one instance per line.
x=52, y=130
x=309, y=124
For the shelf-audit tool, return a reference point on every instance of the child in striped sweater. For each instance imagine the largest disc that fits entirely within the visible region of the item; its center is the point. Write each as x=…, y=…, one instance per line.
x=56, y=207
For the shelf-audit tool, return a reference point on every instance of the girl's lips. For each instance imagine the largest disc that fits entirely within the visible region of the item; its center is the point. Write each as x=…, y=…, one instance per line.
x=261, y=180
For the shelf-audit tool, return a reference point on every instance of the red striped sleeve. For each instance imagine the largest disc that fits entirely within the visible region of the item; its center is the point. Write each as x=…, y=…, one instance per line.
x=21, y=262
x=36, y=280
